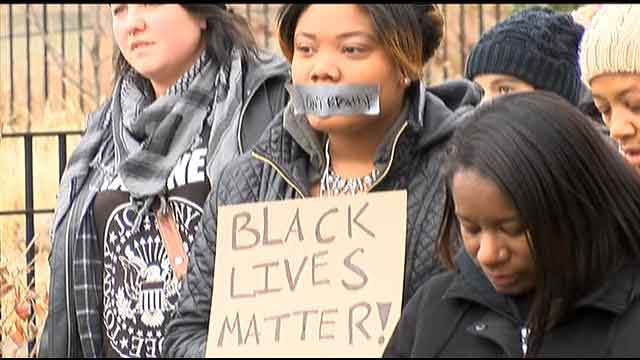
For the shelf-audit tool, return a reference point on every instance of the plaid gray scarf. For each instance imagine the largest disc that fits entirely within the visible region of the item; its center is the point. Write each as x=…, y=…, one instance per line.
x=149, y=140
x=96, y=149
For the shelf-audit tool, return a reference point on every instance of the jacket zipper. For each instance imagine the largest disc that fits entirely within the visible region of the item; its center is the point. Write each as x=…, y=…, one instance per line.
x=66, y=272
x=244, y=108
x=393, y=151
x=297, y=189
x=524, y=339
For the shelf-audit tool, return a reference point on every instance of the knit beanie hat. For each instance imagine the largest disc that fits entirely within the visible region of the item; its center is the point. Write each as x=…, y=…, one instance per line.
x=611, y=44
x=536, y=45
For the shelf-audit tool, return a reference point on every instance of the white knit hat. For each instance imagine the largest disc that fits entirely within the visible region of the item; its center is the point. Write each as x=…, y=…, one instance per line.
x=611, y=43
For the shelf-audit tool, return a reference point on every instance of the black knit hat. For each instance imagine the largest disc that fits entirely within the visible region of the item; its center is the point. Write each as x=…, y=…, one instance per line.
x=536, y=45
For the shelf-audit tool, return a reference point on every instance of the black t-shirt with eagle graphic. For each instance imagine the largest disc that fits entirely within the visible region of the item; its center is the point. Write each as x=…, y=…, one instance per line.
x=140, y=290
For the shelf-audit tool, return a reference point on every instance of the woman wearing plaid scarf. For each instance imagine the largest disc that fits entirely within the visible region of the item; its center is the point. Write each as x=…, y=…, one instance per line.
x=192, y=91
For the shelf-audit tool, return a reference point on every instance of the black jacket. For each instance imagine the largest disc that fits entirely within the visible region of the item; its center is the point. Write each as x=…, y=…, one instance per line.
x=289, y=158
x=459, y=314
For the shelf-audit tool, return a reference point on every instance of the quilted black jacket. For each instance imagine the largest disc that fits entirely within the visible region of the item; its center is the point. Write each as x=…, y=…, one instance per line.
x=459, y=314
x=289, y=158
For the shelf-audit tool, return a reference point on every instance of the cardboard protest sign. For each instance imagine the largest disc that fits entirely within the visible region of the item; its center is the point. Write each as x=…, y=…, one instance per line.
x=310, y=277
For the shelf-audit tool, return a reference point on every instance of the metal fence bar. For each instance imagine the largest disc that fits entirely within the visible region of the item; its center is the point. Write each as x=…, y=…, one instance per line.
x=445, y=68
x=463, y=39
x=42, y=133
x=44, y=44
x=25, y=212
x=28, y=61
x=62, y=43
x=95, y=55
x=480, y=19
x=28, y=199
x=265, y=9
x=12, y=92
x=80, y=55
x=62, y=154
x=41, y=33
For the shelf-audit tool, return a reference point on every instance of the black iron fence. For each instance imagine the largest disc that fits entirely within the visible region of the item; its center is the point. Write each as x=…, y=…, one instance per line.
x=30, y=210
x=34, y=56
x=56, y=26
x=65, y=50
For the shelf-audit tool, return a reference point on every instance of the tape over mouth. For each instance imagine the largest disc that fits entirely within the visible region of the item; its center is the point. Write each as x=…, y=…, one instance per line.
x=329, y=100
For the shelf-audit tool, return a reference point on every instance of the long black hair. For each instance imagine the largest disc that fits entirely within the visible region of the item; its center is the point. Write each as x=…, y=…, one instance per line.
x=578, y=198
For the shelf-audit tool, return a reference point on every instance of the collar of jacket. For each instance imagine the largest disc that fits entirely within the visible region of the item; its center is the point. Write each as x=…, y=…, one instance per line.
x=267, y=65
x=616, y=295
x=313, y=142
x=431, y=115
x=472, y=285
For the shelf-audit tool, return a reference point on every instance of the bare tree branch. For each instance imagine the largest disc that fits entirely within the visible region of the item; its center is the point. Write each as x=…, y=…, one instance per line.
x=56, y=56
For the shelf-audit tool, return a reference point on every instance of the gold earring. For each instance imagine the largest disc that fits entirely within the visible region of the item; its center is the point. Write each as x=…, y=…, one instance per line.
x=406, y=81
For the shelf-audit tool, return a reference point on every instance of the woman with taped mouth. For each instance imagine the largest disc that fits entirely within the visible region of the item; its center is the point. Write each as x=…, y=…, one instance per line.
x=359, y=119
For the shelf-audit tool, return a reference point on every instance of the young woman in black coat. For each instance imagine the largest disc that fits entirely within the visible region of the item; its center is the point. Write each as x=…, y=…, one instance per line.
x=542, y=237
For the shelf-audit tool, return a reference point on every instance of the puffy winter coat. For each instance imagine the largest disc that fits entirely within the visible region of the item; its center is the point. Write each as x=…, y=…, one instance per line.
x=289, y=158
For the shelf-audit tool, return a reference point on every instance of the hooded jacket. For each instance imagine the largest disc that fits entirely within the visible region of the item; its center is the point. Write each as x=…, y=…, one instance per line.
x=264, y=97
x=289, y=158
x=459, y=314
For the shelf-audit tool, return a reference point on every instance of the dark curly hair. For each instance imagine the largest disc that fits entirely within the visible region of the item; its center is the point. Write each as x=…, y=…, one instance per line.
x=410, y=32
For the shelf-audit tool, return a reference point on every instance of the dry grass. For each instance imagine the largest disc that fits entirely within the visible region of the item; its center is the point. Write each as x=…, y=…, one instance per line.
x=17, y=302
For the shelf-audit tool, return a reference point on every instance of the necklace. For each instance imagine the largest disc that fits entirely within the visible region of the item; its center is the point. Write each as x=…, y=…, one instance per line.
x=334, y=184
